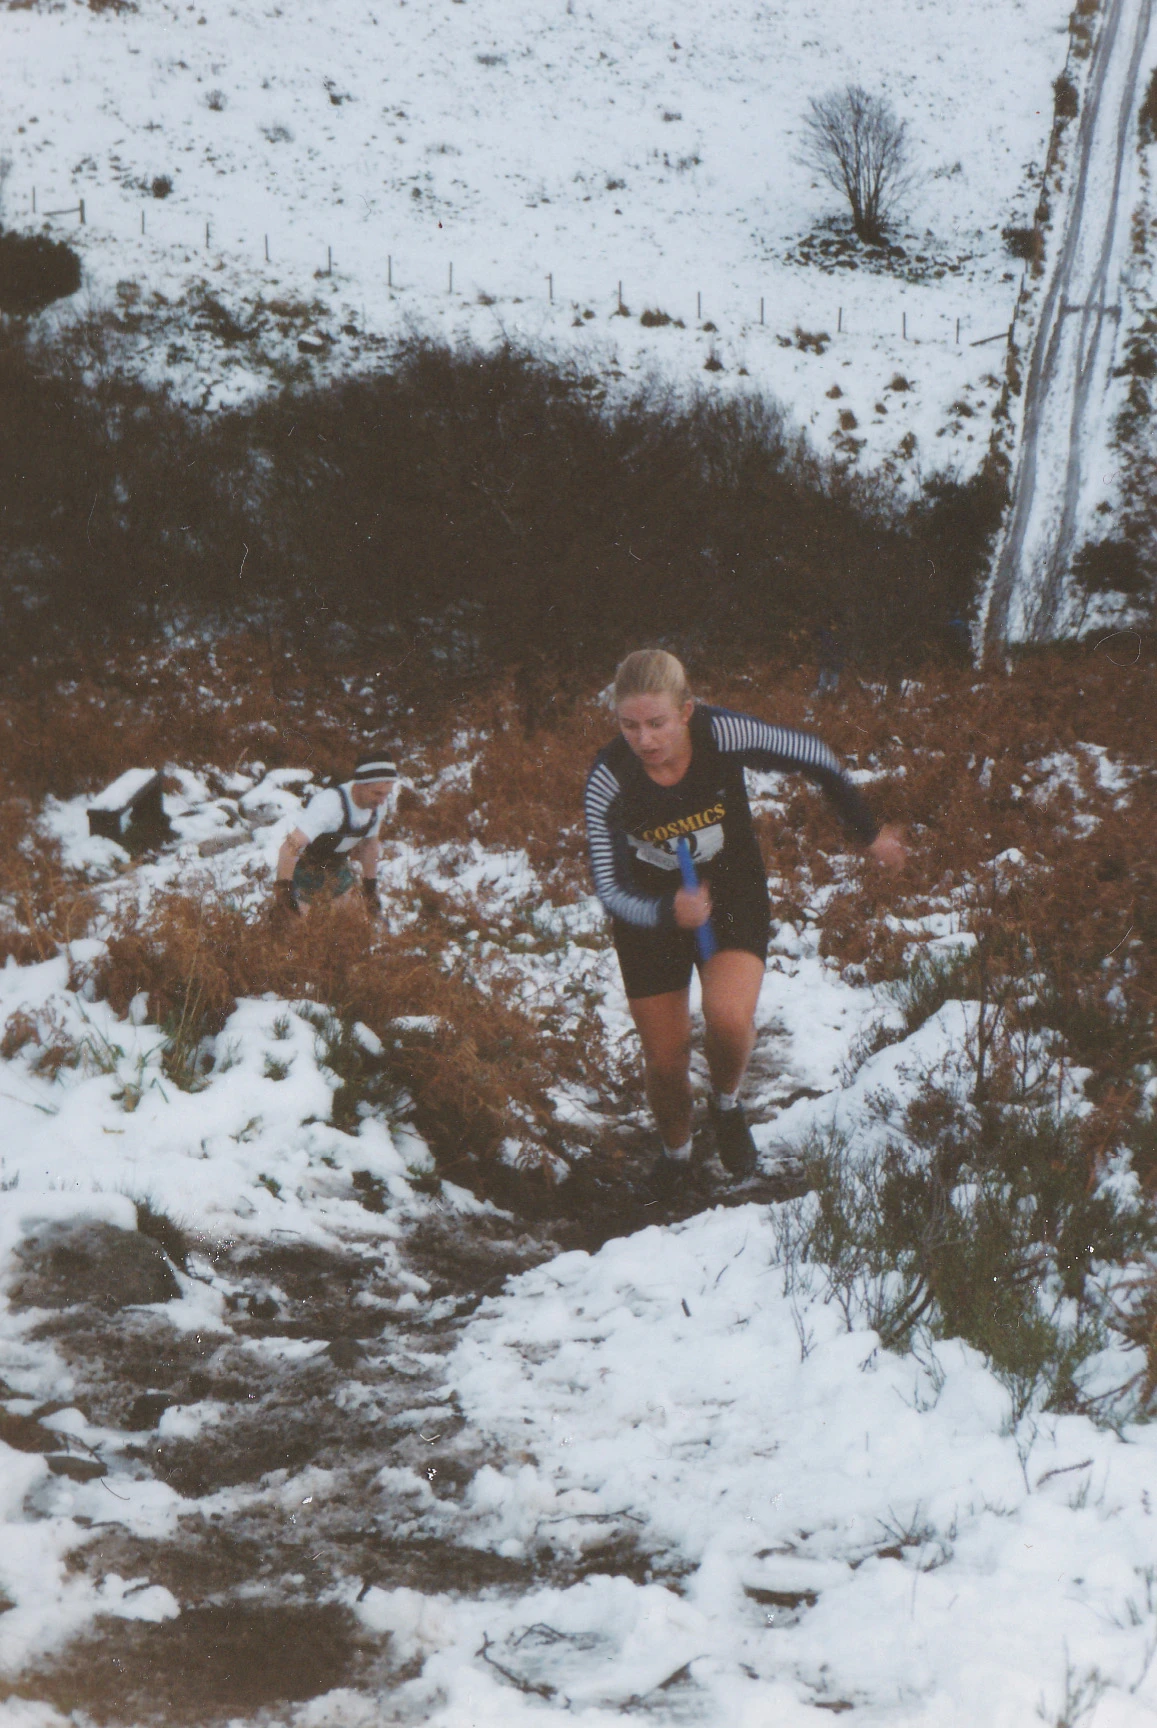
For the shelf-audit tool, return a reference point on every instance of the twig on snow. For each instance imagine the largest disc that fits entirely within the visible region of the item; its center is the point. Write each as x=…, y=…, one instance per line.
x=539, y=1691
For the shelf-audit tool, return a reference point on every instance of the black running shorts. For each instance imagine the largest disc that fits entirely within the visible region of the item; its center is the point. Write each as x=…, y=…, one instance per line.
x=654, y=962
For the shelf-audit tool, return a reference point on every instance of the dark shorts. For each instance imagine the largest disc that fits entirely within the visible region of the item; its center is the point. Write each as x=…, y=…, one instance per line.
x=654, y=962
x=310, y=880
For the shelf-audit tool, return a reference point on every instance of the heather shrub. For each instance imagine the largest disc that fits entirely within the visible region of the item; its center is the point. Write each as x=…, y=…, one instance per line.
x=1065, y=98
x=1110, y=566
x=526, y=524
x=973, y=1224
x=1147, y=119
x=1023, y=243
x=35, y=271
x=476, y=1068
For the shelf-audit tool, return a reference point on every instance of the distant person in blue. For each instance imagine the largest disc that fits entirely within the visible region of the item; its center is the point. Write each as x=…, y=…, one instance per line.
x=831, y=658
x=960, y=640
x=676, y=772
x=334, y=848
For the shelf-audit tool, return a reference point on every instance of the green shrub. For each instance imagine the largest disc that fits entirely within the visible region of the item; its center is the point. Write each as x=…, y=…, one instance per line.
x=933, y=978
x=368, y=1081
x=972, y=1224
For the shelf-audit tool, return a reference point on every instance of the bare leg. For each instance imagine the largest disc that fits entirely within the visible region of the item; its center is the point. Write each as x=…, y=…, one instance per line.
x=731, y=981
x=664, y=1024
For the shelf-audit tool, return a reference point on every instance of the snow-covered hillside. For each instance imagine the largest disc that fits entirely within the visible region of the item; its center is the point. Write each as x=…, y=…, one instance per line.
x=487, y=156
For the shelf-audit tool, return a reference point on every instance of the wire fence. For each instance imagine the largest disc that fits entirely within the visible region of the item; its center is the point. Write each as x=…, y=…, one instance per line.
x=720, y=311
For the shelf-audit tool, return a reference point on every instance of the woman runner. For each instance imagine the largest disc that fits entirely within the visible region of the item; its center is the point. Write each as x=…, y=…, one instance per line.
x=676, y=772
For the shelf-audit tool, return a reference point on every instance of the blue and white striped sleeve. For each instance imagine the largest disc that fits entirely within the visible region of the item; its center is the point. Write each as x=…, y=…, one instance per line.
x=782, y=749
x=610, y=859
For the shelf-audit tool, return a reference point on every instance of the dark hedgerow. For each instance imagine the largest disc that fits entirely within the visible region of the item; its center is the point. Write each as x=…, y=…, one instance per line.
x=1110, y=566
x=35, y=271
x=1147, y=119
x=476, y=511
x=1066, y=101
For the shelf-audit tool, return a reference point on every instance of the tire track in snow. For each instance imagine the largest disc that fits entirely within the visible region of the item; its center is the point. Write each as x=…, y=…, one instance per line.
x=1073, y=352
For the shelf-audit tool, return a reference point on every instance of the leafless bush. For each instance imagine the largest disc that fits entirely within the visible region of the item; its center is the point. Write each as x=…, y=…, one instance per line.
x=856, y=143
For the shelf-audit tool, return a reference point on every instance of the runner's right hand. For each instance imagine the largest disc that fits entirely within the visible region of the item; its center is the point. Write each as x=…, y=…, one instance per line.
x=693, y=907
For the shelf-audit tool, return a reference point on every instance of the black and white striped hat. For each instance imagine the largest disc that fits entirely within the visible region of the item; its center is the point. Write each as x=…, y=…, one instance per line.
x=380, y=765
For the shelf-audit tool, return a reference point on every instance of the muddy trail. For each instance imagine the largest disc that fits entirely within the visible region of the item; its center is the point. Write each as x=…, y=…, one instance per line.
x=293, y=1432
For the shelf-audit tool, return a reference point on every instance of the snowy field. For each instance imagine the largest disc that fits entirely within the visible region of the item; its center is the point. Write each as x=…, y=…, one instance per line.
x=507, y=167
x=721, y=1503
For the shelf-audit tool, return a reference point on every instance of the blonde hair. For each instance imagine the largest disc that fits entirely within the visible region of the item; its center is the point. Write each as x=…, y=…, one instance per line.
x=651, y=672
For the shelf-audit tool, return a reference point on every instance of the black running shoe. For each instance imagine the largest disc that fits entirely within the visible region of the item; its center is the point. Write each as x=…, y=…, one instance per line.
x=733, y=1140
x=669, y=1176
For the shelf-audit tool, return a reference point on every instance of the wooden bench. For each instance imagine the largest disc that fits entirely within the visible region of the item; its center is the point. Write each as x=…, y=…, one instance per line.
x=131, y=810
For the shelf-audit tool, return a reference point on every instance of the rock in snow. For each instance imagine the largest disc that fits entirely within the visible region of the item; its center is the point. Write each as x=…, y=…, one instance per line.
x=89, y=1261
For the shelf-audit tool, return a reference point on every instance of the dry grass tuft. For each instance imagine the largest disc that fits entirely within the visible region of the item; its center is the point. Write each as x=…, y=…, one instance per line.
x=41, y=905
x=482, y=1077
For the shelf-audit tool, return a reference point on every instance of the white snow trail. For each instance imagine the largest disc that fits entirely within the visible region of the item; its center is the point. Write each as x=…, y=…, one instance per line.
x=1029, y=597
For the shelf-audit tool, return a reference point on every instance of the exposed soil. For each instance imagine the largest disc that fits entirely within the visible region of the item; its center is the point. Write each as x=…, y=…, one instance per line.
x=212, y=1661
x=833, y=246
x=256, y=1579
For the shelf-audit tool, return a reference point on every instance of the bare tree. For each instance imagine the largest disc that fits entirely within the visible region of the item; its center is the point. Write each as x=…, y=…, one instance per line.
x=857, y=144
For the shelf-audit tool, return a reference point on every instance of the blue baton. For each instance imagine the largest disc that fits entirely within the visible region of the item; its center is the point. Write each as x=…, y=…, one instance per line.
x=705, y=935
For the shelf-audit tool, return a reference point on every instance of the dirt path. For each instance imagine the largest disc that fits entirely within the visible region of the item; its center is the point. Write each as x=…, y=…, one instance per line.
x=328, y=1409
x=1073, y=353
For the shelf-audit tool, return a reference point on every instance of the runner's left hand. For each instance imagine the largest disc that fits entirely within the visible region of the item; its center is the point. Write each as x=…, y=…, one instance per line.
x=693, y=907
x=889, y=849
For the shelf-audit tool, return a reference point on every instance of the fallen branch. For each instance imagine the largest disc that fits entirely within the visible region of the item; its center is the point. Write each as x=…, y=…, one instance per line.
x=539, y=1691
